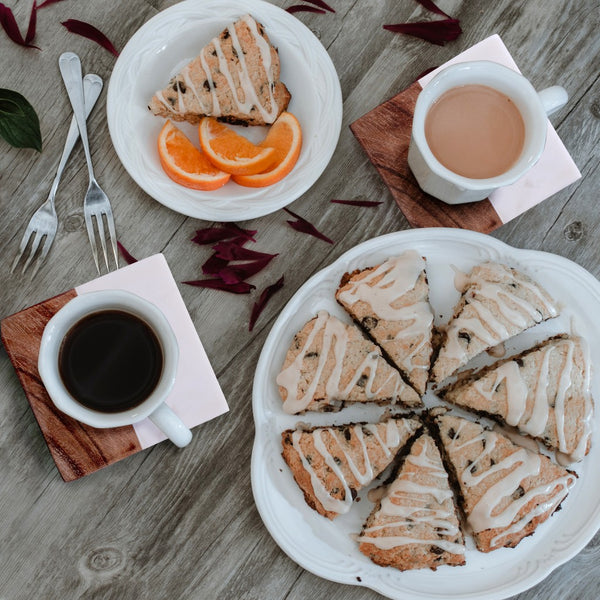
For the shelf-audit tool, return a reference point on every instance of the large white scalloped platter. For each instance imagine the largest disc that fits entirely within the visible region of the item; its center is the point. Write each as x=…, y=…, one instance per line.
x=168, y=41
x=327, y=548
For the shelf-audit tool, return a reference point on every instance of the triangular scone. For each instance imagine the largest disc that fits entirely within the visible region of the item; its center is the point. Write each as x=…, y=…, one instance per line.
x=391, y=303
x=497, y=303
x=506, y=490
x=235, y=78
x=415, y=525
x=330, y=363
x=544, y=392
x=330, y=464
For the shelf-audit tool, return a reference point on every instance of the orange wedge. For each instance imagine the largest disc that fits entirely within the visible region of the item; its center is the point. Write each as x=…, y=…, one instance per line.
x=285, y=136
x=185, y=164
x=231, y=152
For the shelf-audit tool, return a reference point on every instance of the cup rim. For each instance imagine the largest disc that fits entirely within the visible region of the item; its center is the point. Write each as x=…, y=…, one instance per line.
x=537, y=123
x=92, y=302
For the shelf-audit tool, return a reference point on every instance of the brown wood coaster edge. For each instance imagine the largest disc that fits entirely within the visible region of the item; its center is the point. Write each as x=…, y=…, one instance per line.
x=384, y=134
x=77, y=449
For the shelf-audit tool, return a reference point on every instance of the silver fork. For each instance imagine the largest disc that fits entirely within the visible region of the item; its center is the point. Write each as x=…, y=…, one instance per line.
x=44, y=222
x=96, y=203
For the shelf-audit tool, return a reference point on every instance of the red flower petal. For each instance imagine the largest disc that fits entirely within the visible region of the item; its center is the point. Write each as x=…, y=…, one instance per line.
x=234, y=251
x=89, y=31
x=303, y=226
x=218, y=284
x=238, y=273
x=429, y=5
x=126, y=256
x=262, y=301
x=9, y=24
x=437, y=32
x=321, y=4
x=213, y=265
x=210, y=235
x=48, y=3
x=301, y=8
x=365, y=203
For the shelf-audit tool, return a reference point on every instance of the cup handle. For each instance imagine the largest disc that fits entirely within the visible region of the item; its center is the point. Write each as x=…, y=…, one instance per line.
x=171, y=425
x=553, y=98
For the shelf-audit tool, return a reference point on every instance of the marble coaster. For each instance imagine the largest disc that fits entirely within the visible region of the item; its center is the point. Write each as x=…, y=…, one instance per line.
x=384, y=133
x=78, y=449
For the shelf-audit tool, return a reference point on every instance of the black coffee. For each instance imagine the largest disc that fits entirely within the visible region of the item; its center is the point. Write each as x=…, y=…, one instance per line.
x=110, y=361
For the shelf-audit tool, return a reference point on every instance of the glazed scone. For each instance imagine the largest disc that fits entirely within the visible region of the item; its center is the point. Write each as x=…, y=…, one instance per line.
x=330, y=464
x=235, y=78
x=391, y=303
x=544, y=392
x=331, y=363
x=506, y=490
x=497, y=303
x=415, y=525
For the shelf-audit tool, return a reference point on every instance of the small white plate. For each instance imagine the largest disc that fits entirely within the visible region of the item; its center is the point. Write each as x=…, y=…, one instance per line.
x=327, y=548
x=168, y=41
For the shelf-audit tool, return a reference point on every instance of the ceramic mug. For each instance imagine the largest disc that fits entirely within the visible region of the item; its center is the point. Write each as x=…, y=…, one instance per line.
x=153, y=407
x=433, y=177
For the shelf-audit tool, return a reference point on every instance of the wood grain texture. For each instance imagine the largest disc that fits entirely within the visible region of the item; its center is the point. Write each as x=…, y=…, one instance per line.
x=76, y=448
x=167, y=523
x=384, y=133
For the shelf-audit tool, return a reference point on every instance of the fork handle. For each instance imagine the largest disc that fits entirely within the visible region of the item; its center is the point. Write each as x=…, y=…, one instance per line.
x=92, y=87
x=70, y=69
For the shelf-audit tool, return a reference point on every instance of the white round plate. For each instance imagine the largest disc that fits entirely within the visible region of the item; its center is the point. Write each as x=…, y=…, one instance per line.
x=168, y=41
x=327, y=548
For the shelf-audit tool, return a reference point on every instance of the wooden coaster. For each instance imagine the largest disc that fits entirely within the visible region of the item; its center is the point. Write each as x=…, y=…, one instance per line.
x=77, y=449
x=384, y=133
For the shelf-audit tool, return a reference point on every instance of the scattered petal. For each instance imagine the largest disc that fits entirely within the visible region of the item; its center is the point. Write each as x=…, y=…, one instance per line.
x=125, y=254
x=365, y=203
x=234, y=251
x=321, y=4
x=301, y=8
x=92, y=33
x=429, y=5
x=9, y=24
x=48, y=3
x=213, y=265
x=262, y=301
x=238, y=273
x=436, y=32
x=218, y=284
x=303, y=226
x=210, y=235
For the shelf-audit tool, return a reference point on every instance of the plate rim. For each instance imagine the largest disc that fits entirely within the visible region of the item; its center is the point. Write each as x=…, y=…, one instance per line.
x=561, y=556
x=203, y=210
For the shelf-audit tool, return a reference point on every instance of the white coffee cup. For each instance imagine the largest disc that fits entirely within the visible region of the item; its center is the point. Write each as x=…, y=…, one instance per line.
x=153, y=407
x=439, y=181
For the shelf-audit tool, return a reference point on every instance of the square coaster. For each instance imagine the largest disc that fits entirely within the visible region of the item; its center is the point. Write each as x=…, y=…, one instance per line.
x=78, y=449
x=385, y=131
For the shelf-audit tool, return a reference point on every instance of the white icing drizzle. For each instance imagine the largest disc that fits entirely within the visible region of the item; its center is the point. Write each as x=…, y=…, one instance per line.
x=545, y=403
x=329, y=502
x=405, y=503
x=244, y=94
x=398, y=275
x=335, y=338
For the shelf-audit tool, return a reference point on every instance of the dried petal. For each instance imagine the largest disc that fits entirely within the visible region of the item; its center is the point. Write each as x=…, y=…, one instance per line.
x=213, y=265
x=210, y=235
x=301, y=8
x=91, y=33
x=321, y=4
x=234, y=251
x=9, y=24
x=125, y=254
x=429, y=5
x=262, y=301
x=238, y=273
x=436, y=32
x=48, y=3
x=365, y=203
x=303, y=226
x=218, y=284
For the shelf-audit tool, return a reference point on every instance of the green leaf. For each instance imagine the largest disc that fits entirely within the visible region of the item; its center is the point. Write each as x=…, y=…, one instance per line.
x=19, y=123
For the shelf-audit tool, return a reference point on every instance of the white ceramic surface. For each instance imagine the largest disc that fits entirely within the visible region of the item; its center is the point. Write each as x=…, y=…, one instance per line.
x=435, y=178
x=326, y=548
x=162, y=46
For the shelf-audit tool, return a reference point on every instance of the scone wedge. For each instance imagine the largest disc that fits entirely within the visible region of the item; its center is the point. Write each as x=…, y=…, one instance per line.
x=390, y=302
x=331, y=464
x=415, y=525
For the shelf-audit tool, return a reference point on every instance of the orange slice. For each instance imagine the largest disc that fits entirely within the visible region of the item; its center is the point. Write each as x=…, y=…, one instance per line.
x=231, y=152
x=185, y=164
x=285, y=136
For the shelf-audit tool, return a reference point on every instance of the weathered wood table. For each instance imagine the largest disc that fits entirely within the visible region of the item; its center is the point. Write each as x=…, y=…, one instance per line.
x=167, y=523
